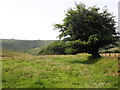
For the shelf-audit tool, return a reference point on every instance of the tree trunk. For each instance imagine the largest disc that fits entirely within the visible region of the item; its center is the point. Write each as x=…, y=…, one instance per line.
x=95, y=53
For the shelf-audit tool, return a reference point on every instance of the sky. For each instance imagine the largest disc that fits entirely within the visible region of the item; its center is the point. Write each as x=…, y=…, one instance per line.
x=34, y=19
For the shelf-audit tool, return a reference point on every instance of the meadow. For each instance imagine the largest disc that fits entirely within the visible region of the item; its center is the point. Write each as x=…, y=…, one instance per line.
x=59, y=71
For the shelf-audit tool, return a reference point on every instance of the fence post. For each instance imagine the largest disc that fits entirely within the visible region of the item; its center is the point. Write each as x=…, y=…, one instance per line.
x=109, y=55
x=103, y=54
x=115, y=55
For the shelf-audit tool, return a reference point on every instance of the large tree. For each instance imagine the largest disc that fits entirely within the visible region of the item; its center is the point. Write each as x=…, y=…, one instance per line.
x=87, y=29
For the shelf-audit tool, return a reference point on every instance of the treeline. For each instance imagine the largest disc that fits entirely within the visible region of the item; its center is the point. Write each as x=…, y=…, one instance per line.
x=61, y=47
x=111, y=48
x=58, y=48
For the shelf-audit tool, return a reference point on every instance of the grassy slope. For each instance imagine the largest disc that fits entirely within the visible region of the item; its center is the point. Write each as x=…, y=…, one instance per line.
x=60, y=71
x=11, y=53
x=24, y=45
x=34, y=51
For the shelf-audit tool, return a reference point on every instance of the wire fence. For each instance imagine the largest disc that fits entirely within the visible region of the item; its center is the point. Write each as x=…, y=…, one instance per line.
x=113, y=55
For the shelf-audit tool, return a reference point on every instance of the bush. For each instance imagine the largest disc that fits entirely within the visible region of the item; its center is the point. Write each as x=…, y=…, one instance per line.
x=56, y=48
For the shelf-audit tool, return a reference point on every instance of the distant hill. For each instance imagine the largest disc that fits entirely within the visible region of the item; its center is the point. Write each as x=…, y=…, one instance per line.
x=24, y=45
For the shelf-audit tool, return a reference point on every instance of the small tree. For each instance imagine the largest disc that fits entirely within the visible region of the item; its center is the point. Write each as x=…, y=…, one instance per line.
x=87, y=29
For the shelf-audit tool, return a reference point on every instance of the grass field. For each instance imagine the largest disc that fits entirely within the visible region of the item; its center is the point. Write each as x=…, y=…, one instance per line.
x=59, y=71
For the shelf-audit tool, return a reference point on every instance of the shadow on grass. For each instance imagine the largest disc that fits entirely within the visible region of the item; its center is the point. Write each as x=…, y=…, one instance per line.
x=87, y=61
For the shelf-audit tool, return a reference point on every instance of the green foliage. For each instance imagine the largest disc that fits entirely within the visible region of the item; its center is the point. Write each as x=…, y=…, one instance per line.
x=70, y=51
x=88, y=29
x=112, y=50
x=59, y=71
x=117, y=45
x=57, y=47
x=74, y=47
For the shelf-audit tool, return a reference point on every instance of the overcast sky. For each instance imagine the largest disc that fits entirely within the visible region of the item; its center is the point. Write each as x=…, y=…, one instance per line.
x=34, y=19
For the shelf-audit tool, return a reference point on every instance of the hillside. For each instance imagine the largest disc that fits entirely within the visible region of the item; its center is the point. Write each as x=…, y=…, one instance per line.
x=10, y=53
x=34, y=51
x=24, y=45
x=60, y=71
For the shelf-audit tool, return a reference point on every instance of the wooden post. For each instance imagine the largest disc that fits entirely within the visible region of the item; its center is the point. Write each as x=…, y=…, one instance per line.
x=109, y=54
x=115, y=55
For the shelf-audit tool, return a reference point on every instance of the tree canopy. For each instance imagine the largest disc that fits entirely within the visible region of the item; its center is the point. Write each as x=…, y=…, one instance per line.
x=87, y=29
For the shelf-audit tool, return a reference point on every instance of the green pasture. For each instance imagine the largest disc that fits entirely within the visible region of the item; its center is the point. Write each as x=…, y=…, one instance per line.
x=59, y=71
